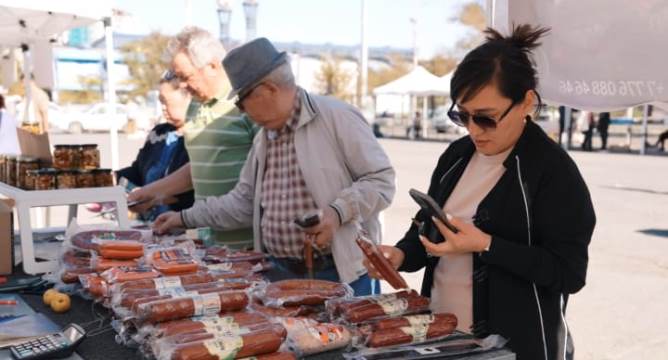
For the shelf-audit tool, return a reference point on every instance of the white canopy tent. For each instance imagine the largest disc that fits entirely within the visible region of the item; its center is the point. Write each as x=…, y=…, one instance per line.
x=601, y=55
x=26, y=22
x=419, y=82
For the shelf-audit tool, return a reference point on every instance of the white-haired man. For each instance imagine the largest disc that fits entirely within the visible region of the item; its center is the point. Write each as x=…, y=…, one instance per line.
x=217, y=136
x=313, y=153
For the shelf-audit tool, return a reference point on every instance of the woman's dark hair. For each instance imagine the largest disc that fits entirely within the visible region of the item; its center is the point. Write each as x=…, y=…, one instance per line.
x=2, y=102
x=502, y=60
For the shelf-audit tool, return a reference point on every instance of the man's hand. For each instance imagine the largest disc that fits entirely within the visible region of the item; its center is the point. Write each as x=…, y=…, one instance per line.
x=469, y=239
x=323, y=233
x=167, y=221
x=143, y=195
x=394, y=254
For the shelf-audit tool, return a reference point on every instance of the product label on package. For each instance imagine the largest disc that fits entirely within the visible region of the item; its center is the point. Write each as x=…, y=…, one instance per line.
x=417, y=320
x=224, y=348
x=226, y=266
x=207, y=304
x=167, y=282
x=418, y=332
x=393, y=307
x=176, y=292
x=221, y=325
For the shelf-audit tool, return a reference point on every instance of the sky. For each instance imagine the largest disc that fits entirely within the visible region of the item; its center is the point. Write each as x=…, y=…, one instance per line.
x=316, y=21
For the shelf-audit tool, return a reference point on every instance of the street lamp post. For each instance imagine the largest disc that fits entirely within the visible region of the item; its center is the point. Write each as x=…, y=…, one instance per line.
x=224, y=17
x=250, y=10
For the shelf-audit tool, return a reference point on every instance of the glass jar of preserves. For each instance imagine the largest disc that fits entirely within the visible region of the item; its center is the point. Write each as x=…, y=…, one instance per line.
x=45, y=179
x=23, y=164
x=66, y=179
x=31, y=175
x=89, y=156
x=10, y=170
x=3, y=158
x=103, y=177
x=85, y=179
x=65, y=156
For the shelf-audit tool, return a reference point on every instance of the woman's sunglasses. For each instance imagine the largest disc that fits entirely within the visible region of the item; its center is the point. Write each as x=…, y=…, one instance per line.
x=462, y=118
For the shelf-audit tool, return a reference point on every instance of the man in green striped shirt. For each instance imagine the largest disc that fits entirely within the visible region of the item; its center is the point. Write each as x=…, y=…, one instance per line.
x=217, y=137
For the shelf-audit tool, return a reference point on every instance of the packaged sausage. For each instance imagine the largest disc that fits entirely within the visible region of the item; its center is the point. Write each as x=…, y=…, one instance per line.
x=308, y=337
x=91, y=239
x=283, y=311
x=381, y=263
x=302, y=292
x=191, y=305
x=375, y=307
x=166, y=282
x=94, y=285
x=255, y=343
x=123, y=274
x=173, y=261
x=413, y=329
x=218, y=254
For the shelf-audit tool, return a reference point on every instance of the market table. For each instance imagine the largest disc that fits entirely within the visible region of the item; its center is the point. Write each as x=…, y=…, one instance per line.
x=102, y=344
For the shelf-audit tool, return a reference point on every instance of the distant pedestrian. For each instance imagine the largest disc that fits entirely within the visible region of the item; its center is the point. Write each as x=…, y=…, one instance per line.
x=602, y=127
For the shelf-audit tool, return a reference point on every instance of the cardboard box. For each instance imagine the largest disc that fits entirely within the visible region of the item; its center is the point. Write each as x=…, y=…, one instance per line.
x=6, y=239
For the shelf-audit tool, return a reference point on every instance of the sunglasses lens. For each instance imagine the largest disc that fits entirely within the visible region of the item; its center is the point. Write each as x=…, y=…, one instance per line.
x=484, y=122
x=458, y=118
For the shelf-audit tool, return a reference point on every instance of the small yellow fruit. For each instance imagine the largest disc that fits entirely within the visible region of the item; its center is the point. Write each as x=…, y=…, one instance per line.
x=48, y=296
x=60, y=303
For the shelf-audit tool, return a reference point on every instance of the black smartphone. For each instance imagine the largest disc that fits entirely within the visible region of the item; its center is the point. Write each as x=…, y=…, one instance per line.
x=430, y=207
x=309, y=219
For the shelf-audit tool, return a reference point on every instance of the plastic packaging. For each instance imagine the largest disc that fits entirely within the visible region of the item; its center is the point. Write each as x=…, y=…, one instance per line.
x=308, y=337
x=173, y=261
x=217, y=254
x=260, y=342
x=413, y=329
x=166, y=282
x=123, y=274
x=376, y=307
x=381, y=263
x=455, y=346
x=302, y=292
x=192, y=305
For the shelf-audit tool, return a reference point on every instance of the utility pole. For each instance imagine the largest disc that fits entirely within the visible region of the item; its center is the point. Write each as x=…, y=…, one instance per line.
x=364, y=58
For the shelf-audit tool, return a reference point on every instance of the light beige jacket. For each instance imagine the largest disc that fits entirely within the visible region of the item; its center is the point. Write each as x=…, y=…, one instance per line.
x=343, y=165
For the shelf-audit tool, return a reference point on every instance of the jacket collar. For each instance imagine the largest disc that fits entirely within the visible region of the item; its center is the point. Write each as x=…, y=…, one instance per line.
x=309, y=111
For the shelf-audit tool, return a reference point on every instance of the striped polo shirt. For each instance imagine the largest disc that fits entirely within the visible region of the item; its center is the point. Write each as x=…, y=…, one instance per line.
x=218, y=138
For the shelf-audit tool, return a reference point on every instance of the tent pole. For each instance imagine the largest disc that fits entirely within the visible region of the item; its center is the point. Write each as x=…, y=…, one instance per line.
x=111, y=91
x=424, y=117
x=643, y=143
x=27, y=81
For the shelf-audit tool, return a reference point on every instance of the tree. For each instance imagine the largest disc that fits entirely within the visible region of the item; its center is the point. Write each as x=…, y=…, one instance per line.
x=333, y=80
x=440, y=64
x=145, y=62
x=91, y=93
x=473, y=16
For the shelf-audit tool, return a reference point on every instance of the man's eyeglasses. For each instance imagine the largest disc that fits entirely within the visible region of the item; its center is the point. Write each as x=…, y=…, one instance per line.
x=461, y=118
x=244, y=96
x=168, y=75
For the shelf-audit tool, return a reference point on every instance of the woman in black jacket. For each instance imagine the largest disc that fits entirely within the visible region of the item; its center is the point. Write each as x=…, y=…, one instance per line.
x=523, y=211
x=164, y=151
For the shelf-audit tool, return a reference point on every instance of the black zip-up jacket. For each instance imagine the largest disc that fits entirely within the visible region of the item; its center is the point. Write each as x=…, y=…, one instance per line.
x=541, y=220
x=150, y=154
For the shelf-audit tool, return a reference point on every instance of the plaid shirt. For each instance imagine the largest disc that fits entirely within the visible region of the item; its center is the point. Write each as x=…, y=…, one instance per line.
x=285, y=196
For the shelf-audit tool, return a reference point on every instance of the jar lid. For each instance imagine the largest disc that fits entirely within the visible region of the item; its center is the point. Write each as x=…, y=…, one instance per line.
x=27, y=159
x=101, y=171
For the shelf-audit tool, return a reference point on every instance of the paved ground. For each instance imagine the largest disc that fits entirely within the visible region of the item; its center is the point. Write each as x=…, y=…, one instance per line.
x=621, y=313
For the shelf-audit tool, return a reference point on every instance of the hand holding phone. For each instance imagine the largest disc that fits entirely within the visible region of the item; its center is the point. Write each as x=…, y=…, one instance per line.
x=428, y=205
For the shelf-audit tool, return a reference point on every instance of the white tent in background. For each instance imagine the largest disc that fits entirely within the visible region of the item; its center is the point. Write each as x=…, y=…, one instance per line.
x=26, y=23
x=610, y=61
x=418, y=82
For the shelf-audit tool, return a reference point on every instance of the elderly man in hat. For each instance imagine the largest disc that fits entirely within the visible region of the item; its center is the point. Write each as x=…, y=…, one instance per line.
x=217, y=136
x=313, y=154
